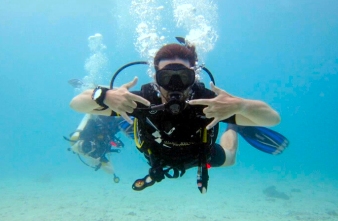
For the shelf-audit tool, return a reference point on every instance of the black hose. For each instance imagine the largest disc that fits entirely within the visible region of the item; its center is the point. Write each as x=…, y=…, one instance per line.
x=122, y=68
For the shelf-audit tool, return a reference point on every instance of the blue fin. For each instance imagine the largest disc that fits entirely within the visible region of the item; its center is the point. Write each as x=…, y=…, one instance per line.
x=263, y=139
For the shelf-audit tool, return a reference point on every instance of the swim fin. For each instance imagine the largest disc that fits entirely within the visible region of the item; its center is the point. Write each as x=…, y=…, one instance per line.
x=263, y=139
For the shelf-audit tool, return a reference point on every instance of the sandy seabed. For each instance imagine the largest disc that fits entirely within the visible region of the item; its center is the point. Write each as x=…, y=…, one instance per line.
x=237, y=197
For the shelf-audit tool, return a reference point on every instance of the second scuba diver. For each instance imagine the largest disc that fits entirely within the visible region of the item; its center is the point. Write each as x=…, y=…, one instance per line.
x=95, y=139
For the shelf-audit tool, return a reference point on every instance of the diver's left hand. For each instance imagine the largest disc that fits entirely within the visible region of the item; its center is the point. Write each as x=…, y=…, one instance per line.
x=223, y=106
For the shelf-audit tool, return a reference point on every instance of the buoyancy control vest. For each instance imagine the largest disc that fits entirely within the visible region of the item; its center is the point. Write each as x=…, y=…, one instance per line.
x=174, y=140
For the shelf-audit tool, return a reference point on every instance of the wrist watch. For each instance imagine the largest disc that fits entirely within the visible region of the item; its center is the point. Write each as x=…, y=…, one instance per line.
x=99, y=95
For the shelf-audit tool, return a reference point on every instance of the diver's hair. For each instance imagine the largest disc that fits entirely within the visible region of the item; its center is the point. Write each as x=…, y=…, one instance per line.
x=172, y=51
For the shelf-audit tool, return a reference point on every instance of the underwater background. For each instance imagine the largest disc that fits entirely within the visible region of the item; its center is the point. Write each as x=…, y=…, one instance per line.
x=282, y=52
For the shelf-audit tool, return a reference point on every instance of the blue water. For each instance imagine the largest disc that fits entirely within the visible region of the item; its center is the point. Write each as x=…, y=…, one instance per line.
x=282, y=52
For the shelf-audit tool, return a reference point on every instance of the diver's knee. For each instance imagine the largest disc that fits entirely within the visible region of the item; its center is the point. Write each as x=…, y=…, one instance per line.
x=107, y=167
x=230, y=158
x=222, y=157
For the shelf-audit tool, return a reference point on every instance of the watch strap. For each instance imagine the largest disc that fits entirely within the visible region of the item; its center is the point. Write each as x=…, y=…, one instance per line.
x=101, y=98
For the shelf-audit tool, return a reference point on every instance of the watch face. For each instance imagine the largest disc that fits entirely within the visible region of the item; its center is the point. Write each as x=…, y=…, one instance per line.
x=97, y=93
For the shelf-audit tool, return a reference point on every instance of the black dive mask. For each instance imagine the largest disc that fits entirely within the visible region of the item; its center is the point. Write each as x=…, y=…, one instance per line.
x=175, y=77
x=86, y=146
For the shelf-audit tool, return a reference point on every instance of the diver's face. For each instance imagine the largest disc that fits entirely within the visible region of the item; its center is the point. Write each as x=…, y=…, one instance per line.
x=166, y=62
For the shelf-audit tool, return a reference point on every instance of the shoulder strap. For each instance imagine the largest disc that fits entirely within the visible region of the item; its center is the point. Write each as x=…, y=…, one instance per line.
x=149, y=92
x=202, y=92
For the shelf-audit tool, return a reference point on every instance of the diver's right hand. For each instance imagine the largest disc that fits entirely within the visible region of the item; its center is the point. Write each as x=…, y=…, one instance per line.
x=122, y=101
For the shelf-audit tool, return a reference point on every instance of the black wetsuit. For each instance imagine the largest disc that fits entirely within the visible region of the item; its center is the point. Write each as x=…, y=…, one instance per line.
x=177, y=140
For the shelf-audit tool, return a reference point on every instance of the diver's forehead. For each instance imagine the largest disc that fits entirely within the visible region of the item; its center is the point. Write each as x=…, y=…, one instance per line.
x=165, y=62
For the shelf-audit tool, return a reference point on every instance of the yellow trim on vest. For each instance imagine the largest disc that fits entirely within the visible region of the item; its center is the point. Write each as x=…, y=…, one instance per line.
x=205, y=136
x=137, y=143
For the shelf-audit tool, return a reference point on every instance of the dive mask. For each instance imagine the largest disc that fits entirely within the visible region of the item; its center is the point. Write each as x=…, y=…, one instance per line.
x=175, y=77
x=85, y=146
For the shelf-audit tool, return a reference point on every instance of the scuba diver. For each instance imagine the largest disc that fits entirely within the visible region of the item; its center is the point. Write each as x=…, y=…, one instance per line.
x=177, y=118
x=95, y=139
